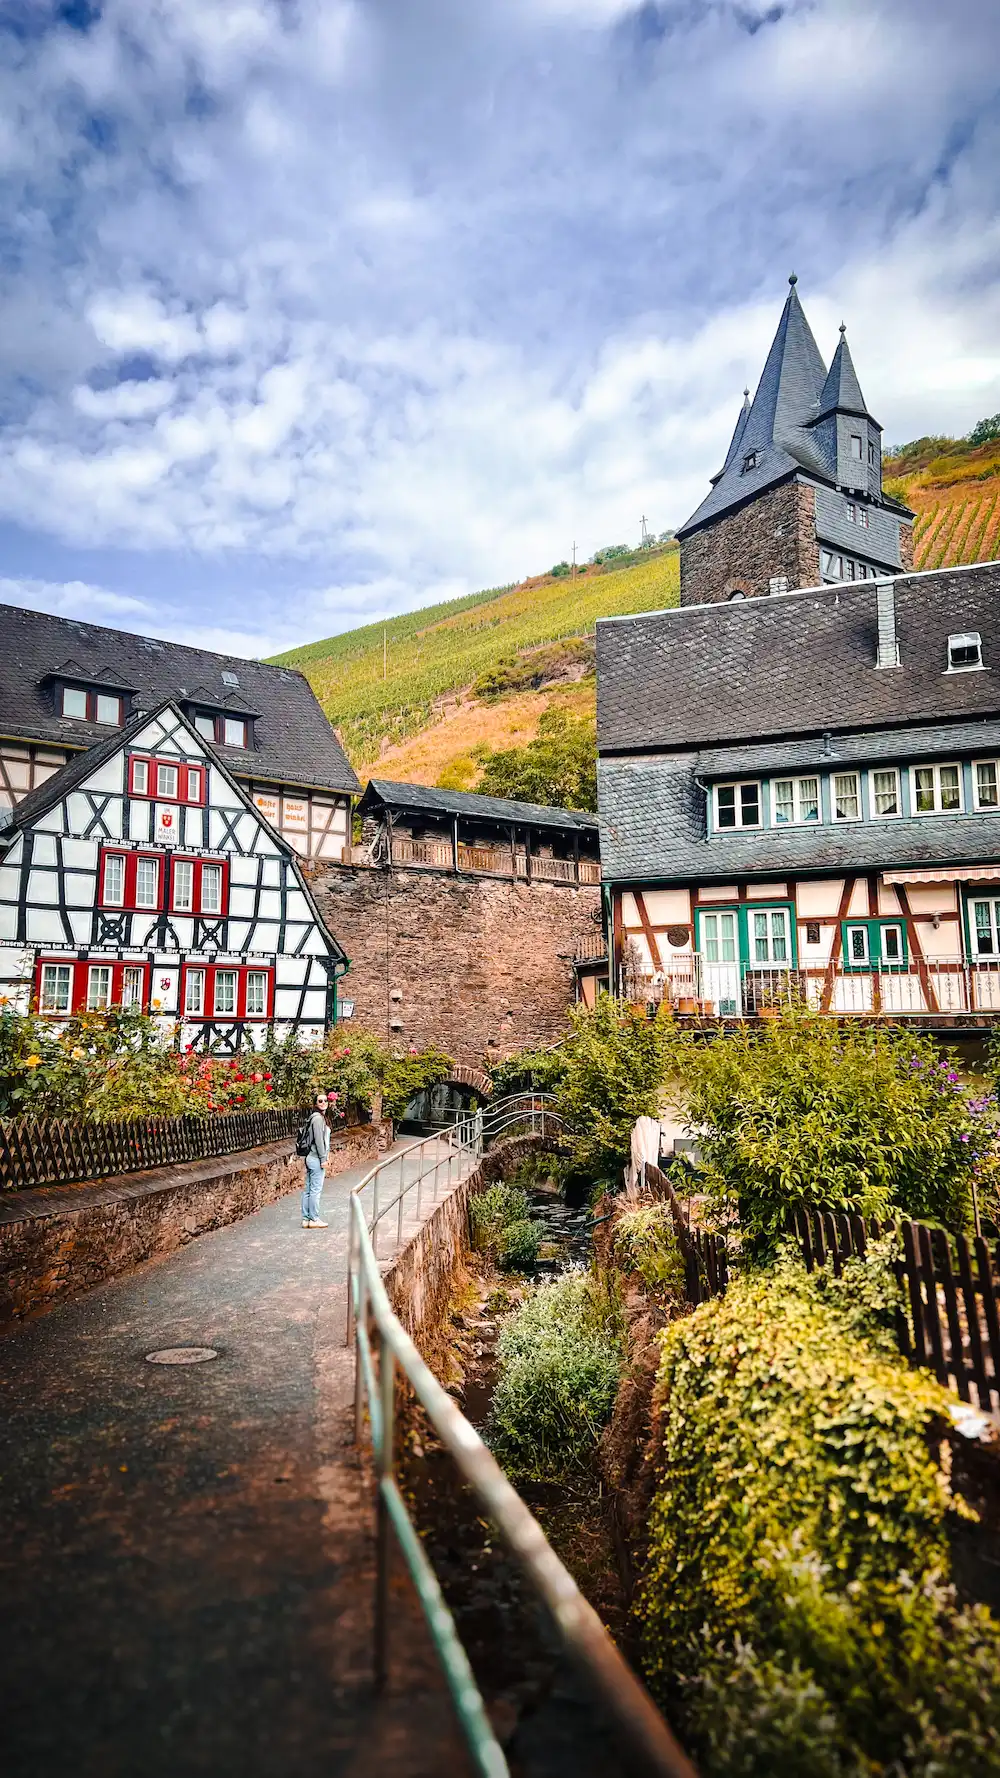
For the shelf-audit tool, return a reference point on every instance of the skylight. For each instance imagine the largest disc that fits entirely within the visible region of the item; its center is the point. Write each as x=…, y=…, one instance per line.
x=965, y=652
x=229, y=679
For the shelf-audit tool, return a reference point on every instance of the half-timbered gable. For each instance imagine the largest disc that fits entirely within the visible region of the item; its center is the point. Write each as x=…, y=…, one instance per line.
x=801, y=794
x=142, y=873
x=65, y=686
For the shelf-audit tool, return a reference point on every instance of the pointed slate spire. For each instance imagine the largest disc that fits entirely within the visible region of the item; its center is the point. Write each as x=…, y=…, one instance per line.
x=789, y=390
x=741, y=426
x=842, y=391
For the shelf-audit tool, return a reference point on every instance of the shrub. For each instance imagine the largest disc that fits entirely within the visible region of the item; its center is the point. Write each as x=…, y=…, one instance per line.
x=616, y=1062
x=984, y=431
x=502, y=1228
x=558, y=768
x=841, y=1117
x=794, y=1604
x=529, y=1070
x=560, y=570
x=645, y=1241
x=560, y=1359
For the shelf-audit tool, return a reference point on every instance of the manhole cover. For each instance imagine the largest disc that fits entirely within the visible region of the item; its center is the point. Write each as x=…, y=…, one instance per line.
x=182, y=1355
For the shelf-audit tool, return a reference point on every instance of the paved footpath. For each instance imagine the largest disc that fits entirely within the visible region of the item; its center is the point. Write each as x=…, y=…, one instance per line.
x=186, y=1562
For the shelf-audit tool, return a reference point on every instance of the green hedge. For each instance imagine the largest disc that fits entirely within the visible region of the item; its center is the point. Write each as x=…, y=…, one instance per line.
x=795, y=1611
x=560, y=1360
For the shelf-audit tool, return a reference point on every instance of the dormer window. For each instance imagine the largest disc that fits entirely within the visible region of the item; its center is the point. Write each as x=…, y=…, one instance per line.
x=84, y=705
x=749, y=462
x=965, y=652
x=225, y=731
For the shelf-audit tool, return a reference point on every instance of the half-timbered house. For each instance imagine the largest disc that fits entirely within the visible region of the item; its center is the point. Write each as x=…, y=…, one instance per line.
x=142, y=873
x=801, y=793
x=65, y=686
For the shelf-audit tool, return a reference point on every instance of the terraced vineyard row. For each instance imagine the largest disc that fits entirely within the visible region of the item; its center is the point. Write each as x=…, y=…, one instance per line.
x=963, y=530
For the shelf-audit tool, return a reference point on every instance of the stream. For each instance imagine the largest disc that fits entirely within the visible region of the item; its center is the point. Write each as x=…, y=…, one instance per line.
x=543, y=1713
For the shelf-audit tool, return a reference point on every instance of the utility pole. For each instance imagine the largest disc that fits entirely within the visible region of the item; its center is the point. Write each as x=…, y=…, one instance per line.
x=644, y=541
x=574, y=555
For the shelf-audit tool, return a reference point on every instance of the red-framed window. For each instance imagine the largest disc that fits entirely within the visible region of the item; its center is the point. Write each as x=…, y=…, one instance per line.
x=90, y=704
x=223, y=991
x=167, y=780
x=132, y=882
x=199, y=886
x=65, y=985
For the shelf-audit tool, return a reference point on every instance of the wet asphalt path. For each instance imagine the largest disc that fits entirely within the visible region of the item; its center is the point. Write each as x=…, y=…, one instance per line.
x=186, y=1562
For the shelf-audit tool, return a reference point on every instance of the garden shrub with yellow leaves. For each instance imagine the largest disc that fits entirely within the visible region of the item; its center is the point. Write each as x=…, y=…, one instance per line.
x=795, y=1610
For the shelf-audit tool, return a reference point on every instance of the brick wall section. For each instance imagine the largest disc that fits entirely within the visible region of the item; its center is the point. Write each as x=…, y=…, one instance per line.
x=477, y=965
x=772, y=535
x=60, y=1240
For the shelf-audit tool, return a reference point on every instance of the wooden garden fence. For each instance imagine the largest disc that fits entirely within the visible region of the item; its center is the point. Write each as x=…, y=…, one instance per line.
x=951, y=1289
x=706, y=1258
x=56, y=1151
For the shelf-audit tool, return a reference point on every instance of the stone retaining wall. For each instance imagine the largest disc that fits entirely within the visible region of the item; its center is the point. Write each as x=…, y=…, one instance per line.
x=60, y=1240
x=419, y=1280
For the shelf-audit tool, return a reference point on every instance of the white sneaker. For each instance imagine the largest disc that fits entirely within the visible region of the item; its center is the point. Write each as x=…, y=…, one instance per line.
x=317, y=1225
x=305, y=1222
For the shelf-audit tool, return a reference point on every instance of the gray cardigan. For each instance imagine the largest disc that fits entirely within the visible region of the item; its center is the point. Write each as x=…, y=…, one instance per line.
x=320, y=1136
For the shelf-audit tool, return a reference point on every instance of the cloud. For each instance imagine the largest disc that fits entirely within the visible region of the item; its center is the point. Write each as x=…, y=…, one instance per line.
x=386, y=300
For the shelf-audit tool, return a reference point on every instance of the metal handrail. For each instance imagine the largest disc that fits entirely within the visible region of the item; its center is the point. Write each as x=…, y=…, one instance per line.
x=578, y=1625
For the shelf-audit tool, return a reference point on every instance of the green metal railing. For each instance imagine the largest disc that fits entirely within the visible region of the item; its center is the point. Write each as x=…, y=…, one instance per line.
x=383, y=1349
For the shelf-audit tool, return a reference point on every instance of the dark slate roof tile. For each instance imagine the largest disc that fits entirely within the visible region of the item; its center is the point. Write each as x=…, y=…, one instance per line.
x=294, y=741
x=796, y=665
x=819, y=753
x=423, y=798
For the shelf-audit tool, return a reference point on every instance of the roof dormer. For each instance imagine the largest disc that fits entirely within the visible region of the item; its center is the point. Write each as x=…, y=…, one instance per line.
x=101, y=697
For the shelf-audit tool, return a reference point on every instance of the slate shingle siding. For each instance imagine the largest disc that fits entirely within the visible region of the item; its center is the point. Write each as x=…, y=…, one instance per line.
x=877, y=543
x=796, y=665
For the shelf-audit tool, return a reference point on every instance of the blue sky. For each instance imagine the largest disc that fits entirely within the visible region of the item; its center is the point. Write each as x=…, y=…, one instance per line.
x=314, y=310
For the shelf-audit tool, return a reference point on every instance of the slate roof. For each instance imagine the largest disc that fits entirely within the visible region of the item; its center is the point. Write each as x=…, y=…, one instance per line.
x=978, y=736
x=421, y=798
x=795, y=665
x=842, y=391
x=653, y=829
x=294, y=743
x=777, y=426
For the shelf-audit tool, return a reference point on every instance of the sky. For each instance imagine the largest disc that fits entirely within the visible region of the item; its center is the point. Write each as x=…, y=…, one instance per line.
x=313, y=311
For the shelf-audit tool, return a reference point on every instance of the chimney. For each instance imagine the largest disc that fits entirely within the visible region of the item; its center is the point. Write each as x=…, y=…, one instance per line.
x=885, y=609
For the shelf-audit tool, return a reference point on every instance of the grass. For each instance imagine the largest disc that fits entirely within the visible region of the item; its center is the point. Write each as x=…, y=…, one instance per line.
x=438, y=653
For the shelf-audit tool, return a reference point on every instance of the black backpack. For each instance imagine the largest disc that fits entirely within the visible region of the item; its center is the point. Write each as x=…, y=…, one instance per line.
x=304, y=1143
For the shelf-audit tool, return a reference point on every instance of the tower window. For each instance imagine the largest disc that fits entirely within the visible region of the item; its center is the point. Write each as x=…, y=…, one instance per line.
x=871, y=454
x=856, y=446
x=749, y=462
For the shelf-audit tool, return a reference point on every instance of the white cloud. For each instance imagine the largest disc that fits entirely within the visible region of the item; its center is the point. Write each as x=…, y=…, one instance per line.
x=390, y=300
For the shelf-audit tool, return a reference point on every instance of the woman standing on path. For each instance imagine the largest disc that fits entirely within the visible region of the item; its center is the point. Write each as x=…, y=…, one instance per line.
x=316, y=1164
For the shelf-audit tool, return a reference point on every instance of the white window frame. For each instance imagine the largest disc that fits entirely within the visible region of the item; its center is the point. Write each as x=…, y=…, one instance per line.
x=205, y=726
x=798, y=819
x=45, y=1002
x=946, y=765
x=133, y=984
x=719, y=938
x=140, y=777
x=739, y=785
x=850, y=928
x=876, y=813
x=112, y=699
x=257, y=975
x=833, y=796
x=226, y=1012
x=993, y=903
x=107, y=899
x=183, y=867
x=73, y=691
x=769, y=914
x=147, y=907
x=239, y=737
x=857, y=456
x=193, y=784
x=966, y=639
x=976, y=764
x=194, y=976
x=212, y=871
x=166, y=769
x=94, y=1002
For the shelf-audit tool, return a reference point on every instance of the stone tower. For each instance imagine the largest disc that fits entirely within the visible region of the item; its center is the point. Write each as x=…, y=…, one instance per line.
x=799, y=499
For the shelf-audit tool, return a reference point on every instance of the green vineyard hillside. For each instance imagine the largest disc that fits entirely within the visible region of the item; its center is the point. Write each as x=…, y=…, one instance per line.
x=953, y=487
x=474, y=670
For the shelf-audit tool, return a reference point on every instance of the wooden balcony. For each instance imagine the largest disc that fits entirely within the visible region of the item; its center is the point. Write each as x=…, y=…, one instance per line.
x=491, y=861
x=947, y=991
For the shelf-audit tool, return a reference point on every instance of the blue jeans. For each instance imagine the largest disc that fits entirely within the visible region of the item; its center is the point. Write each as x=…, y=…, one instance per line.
x=313, y=1189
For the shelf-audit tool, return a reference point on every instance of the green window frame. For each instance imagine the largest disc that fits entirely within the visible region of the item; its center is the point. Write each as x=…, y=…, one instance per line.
x=873, y=944
x=747, y=936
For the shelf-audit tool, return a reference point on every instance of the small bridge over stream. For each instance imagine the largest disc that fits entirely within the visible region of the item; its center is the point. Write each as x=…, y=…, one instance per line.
x=194, y=1569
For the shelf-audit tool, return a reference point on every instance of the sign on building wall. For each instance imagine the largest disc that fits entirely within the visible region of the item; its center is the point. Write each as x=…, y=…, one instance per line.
x=268, y=806
x=167, y=825
x=295, y=813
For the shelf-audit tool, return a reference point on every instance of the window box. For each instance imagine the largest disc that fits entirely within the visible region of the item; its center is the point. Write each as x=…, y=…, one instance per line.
x=199, y=886
x=65, y=986
x=936, y=790
x=167, y=780
x=227, y=992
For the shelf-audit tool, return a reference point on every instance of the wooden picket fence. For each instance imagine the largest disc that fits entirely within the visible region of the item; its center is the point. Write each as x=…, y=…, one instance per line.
x=951, y=1287
x=56, y=1151
x=706, y=1258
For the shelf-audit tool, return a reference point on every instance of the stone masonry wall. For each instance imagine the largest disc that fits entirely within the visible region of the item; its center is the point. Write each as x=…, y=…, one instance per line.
x=770, y=536
x=57, y=1241
x=477, y=965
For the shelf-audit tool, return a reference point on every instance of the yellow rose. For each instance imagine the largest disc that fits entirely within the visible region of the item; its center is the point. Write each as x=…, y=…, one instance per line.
x=32, y=1061
x=78, y=1055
